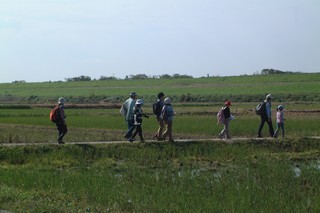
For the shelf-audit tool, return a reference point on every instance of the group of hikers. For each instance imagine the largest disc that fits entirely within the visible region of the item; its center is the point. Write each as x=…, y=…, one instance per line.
x=132, y=111
x=163, y=110
x=266, y=115
x=263, y=109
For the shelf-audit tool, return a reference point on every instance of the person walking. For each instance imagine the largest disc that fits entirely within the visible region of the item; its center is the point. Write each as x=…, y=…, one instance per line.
x=157, y=107
x=61, y=121
x=266, y=117
x=226, y=120
x=127, y=111
x=137, y=117
x=280, y=121
x=167, y=115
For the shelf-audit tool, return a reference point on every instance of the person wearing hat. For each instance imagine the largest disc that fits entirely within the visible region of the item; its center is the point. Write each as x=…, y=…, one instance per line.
x=280, y=121
x=137, y=117
x=61, y=121
x=266, y=117
x=127, y=111
x=227, y=117
x=167, y=115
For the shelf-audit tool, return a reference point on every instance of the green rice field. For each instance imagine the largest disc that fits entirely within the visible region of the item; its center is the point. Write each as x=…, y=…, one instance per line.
x=194, y=174
x=251, y=176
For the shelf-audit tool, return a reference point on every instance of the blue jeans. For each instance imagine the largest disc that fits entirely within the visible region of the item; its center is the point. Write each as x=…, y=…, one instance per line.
x=131, y=127
x=279, y=125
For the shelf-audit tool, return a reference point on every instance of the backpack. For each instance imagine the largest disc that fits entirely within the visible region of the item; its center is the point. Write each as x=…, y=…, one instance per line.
x=54, y=114
x=122, y=111
x=164, y=113
x=220, y=116
x=261, y=108
x=156, y=108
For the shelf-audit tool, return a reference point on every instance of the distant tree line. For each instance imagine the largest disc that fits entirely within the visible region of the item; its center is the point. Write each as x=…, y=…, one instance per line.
x=274, y=71
x=130, y=77
x=167, y=76
x=19, y=82
x=164, y=76
x=80, y=78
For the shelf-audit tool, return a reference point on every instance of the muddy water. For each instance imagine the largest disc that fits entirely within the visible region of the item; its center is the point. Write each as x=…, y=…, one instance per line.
x=298, y=171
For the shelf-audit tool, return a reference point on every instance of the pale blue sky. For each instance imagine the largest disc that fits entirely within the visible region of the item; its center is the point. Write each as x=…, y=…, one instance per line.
x=42, y=40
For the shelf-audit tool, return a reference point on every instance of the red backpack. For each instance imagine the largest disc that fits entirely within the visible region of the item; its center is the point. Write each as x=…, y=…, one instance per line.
x=54, y=114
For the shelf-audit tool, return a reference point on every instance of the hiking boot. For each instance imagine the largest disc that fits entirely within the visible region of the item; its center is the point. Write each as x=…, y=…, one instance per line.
x=156, y=137
x=59, y=139
x=131, y=140
x=142, y=140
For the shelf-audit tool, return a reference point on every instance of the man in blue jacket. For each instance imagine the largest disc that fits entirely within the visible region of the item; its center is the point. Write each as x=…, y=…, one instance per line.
x=266, y=117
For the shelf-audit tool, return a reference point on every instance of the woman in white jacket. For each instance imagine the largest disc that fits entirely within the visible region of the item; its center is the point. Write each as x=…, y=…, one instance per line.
x=127, y=111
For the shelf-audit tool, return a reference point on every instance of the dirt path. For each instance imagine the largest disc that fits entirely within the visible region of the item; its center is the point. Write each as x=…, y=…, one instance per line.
x=147, y=141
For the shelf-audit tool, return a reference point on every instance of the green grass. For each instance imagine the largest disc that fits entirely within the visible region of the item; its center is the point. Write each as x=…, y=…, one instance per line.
x=246, y=176
x=162, y=177
x=193, y=121
x=217, y=87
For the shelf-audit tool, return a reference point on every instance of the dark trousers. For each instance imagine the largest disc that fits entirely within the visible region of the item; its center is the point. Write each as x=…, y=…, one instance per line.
x=62, y=131
x=263, y=120
x=138, y=131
